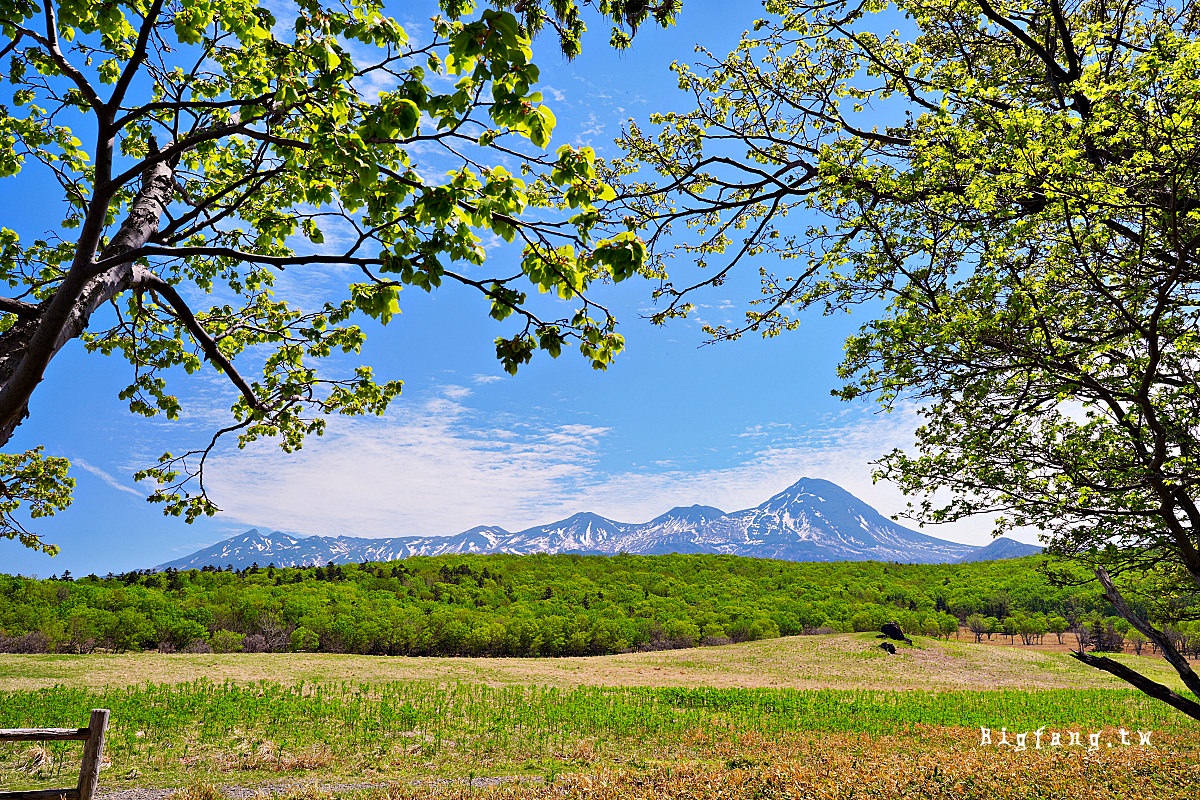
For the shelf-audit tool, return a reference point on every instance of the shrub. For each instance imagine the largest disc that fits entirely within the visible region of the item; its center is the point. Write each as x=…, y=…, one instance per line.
x=255, y=643
x=224, y=641
x=304, y=640
x=35, y=642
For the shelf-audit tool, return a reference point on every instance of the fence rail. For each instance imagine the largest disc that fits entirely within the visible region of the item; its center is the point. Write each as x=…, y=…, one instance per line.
x=89, y=771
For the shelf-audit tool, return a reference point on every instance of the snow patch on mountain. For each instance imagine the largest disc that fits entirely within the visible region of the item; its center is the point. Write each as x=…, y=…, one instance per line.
x=812, y=520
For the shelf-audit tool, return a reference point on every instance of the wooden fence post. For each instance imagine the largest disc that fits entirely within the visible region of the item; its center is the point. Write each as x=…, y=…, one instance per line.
x=93, y=752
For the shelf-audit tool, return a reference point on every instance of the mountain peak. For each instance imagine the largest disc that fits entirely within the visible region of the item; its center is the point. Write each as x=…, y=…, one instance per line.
x=815, y=487
x=255, y=535
x=1001, y=548
x=588, y=516
x=696, y=513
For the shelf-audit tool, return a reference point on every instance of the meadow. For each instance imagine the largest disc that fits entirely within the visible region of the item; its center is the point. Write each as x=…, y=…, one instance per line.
x=835, y=661
x=606, y=726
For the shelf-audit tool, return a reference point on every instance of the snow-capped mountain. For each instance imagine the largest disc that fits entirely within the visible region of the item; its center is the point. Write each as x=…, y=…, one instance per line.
x=812, y=520
x=1000, y=549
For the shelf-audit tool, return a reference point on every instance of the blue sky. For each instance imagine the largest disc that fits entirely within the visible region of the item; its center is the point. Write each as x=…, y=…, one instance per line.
x=673, y=422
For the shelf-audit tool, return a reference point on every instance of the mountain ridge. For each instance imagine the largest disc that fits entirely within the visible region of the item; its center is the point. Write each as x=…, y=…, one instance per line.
x=811, y=520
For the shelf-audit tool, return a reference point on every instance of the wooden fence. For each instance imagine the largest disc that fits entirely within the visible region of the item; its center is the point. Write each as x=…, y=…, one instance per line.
x=93, y=749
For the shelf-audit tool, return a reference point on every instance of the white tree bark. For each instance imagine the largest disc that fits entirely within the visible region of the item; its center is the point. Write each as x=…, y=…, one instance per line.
x=28, y=347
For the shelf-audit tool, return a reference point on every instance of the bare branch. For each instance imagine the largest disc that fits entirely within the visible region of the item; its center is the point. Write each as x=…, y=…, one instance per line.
x=1173, y=656
x=10, y=305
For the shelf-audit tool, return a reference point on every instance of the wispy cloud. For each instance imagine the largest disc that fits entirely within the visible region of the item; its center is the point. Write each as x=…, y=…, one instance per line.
x=438, y=467
x=107, y=478
x=757, y=431
x=590, y=128
x=456, y=392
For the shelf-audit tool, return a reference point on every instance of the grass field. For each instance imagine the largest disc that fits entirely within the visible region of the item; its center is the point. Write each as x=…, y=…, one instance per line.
x=804, y=717
x=838, y=661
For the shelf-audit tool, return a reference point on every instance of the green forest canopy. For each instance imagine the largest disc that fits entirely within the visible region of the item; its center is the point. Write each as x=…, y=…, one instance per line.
x=537, y=605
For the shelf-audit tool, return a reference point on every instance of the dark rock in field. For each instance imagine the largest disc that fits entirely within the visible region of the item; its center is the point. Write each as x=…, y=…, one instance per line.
x=891, y=648
x=891, y=630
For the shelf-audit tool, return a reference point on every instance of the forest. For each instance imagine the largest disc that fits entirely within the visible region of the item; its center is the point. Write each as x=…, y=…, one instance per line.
x=544, y=605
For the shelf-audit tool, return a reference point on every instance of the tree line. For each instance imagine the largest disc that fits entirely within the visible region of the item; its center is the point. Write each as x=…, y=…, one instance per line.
x=537, y=605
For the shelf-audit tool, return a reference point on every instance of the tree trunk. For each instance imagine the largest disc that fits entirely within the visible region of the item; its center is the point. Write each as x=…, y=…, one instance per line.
x=27, y=348
x=1165, y=645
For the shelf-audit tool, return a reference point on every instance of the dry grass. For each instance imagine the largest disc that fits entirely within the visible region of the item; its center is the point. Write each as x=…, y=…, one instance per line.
x=841, y=661
x=938, y=763
x=267, y=757
x=37, y=760
x=866, y=771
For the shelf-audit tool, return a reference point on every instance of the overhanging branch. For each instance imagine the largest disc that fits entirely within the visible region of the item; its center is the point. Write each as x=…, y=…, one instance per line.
x=1153, y=688
x=146, y=280
x=1173, y=656
x=11, y=305
x=233, y=253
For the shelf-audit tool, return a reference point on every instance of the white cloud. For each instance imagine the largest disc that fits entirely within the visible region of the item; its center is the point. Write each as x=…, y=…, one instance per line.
x=456, y=392
x=840, y=452
x=756, y=431
x=589, y=129
x=441, y=467
x=434, y=469
x=107, y=478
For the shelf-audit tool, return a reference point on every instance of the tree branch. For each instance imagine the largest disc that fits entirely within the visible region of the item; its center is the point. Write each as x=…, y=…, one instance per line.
x=232, y=252
x=66, y=314
x=1056, y=71
x=1156, y=690
x=1173, y=656
x=11, y=305
x=139, y=55
x=50, y=42
x=144, y=279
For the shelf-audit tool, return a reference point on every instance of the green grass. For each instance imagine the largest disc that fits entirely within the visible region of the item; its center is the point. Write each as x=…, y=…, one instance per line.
x=165, y=735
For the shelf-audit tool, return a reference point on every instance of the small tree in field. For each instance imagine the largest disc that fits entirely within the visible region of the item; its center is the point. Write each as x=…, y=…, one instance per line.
x=978, y=626
x=1010, y=629
x=1058, y=626
x=1082, y=631
x=948, y=624
x=1032, y=628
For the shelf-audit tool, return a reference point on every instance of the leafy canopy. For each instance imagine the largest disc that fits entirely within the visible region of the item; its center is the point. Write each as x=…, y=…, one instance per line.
x=204, y=146
x=1010, y=190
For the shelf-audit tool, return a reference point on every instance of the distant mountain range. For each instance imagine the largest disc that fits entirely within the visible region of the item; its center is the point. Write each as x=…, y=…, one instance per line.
x=812, y=520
